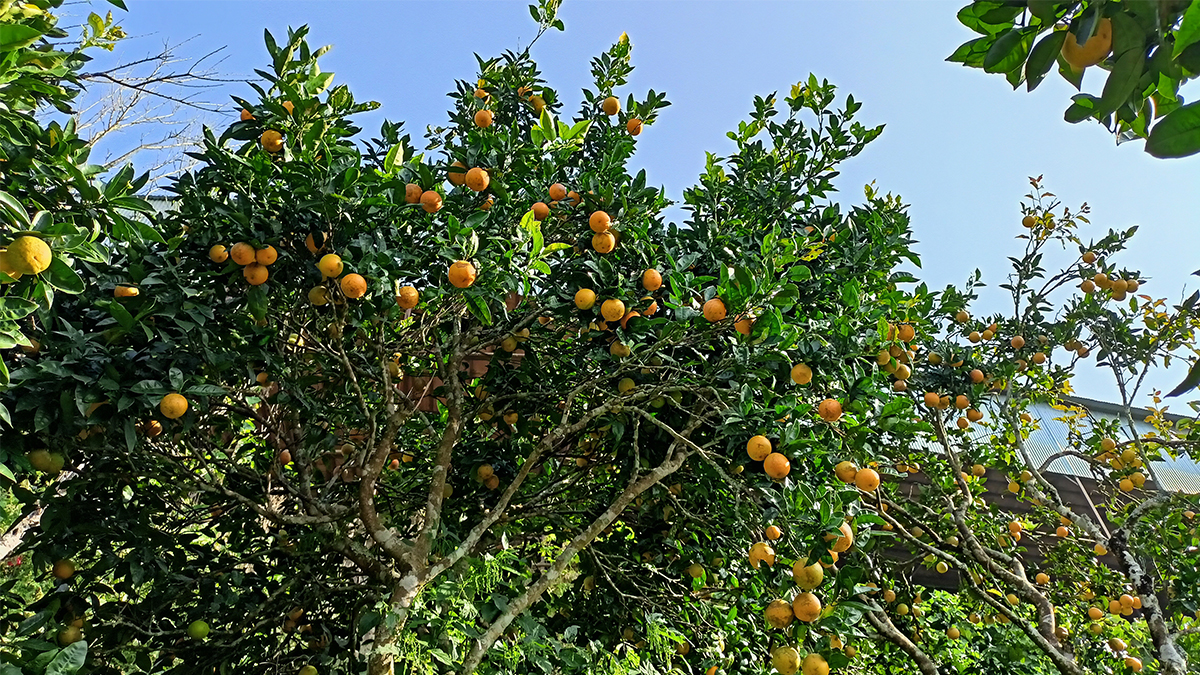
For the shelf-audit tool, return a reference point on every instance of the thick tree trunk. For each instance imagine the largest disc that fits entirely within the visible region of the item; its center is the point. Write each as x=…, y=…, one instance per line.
x=16, y=533
x=387, y=634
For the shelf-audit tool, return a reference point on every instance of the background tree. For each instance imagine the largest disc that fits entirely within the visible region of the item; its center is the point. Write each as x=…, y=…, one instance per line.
x=1150, y=49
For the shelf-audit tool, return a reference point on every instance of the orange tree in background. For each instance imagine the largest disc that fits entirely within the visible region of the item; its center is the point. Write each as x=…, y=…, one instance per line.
x=1044, y=586
x=1150, y=49
x=360, y=408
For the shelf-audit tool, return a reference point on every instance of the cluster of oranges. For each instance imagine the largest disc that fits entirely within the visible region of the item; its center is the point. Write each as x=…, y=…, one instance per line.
x=254, y=261
x=353, y=286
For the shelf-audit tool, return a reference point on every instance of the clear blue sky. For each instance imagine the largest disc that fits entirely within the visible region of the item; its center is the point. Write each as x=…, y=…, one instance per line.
x=959, y=144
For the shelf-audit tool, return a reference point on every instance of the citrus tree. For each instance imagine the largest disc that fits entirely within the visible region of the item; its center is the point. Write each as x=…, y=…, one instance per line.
x=359, y=407
x=1039, y=574
x=1149, y=50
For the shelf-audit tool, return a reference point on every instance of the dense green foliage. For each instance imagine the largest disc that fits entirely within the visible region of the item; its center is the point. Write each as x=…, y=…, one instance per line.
x=1150, y=49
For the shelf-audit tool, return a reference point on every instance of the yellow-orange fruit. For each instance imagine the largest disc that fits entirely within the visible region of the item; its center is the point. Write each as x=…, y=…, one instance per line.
x=611, y=106
x=801, y=373
x=242, y=253
x=461, y=274
x=255, y=274
x=478, y=179
x=173, y=406
x=634, y=126
x=806, y=607
x=714, y=310
x=407, y=297
x=266, y=255
x=604, y=242
x=585, y=298
x=758, y=447
x=830, y=410
x=330, y=265
x=218, y=254
x=431, y=201
x=483, y=119
x=354, y=286
x=651, y=280
x=558, y=192
x=540, y=211
x=777, y=466
x=457, y=173
x=612, y=309
x=599, y=221
x=412, y=194
x=1091, y=52
x=867, y=480
x=272, y=141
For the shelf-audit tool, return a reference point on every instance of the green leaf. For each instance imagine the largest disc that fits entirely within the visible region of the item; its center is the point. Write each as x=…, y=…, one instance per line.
x=395, y=157
x=62, y=277
x=1189, y=30
x=122, y=315
x=479, y=308
x=1177, y=134
x=205, y=390
x=3, y=409
x=130, y=434
x=17, y=214
x=118, y=3
x=1044, y=10
x=69, y=660
x=1008, y=51
x=15, y=36
x=971, y=53
x=1042, y=58
x=256, y=300
x=1121, y=81
x=13, y=308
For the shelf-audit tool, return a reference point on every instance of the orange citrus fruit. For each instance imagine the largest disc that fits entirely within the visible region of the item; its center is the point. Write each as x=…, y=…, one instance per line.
x=777, y=466
x=255, y=274
x=462, y=274
x=830, y=410
x=354, y=286
x=801, y=373
x=612, y=309
x=585, y=298
x=483, y=119
x=714, y=310
x=558, y=192
x=779, y=614
x=758, y=447
x=478, y=179
x=330, y=265
x=604, y=242
x=611, y=106
x=540, y=211
x=634, y=126
x=243, y=253
x=408, y=297
x=599, y=222
x=651, y=280
x=266, y=256
x=246, y=116
x=218, y=254
x=431, y=201
x=806, y=607
x=412, y=193
x=457, y=173
x=1091, y=52
x=173, y=406
x=125, y=291
x=318, y=295
x=272, y=141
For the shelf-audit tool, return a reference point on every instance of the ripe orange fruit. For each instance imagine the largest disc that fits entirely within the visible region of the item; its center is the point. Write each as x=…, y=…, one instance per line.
x=830, y=410
x=974, y=336
x=762, y=553
x=243, y=253
x=480, y=92
x=255, y=274
x=612, y=309
x=977, y=376
x=354, y=286
x=628, y=316
x=330, y=265
x=906, y=333
x=714, y=310
x=246, y=116
x=779, y=614
x=574, y=198
x=287, y=105
x=773, y=532
x=974, y=415
x=806, y=607
x=1091, y=52
x=777, y=466
x=462, y=274
x=125, y=292
x=272, y=141
x=758, y=447
x=814, y=664
x=173, y=406
x=845, y=540
x=962, y=317
x=408, y=297
x=1028, y=221
x=585, y=298
x=634, y=126
x=311, y=244
x=457, y=173
x=604, y=242
x=1017, y=342
x=412, y=194
x=483, y=119
x=600, y=222
x=540, y=211
x=962, y=402
x=218, y=254
x=478, y=179
x=651, y=280
x=558, y=192
x=866, y=480
x=611, y=106
x=266, y=256
x=538, y=103
x=962, y=423
x=431, y=201
x=744, y=325
x=845, y=471
x=1088, y=257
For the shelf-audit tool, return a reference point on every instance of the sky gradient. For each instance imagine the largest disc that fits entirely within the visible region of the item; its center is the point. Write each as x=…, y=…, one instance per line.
x=958, y=145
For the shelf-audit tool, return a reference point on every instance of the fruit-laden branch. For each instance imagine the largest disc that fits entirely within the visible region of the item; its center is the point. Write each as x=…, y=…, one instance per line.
x=884, y=626
x=677, y=453
x=1045, y=636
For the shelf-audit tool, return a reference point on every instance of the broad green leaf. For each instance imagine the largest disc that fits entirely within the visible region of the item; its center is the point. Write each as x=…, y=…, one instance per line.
x=13, y=308
x=1189, y=30
x=1042, y=58
x=1177, y=134
x=62, y=277
x=1121, y=81
x=1008, y=51
x=15, y=35
x=69, y=660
